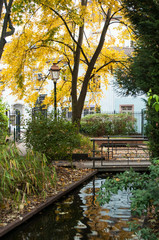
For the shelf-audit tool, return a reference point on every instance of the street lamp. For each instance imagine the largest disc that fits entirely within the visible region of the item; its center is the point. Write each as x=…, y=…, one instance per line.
x=54, y=72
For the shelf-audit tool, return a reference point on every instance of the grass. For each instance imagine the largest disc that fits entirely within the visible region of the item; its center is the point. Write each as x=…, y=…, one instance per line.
x=23, y=176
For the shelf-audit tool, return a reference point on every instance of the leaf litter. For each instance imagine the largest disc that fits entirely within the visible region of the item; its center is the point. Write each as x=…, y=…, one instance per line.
x=65, y=176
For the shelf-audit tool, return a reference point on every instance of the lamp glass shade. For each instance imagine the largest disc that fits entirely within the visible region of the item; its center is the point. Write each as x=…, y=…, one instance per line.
x=54, y=72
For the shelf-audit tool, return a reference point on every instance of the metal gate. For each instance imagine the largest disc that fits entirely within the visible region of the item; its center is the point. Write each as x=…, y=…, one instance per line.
x=17, y=133
x=14, y=124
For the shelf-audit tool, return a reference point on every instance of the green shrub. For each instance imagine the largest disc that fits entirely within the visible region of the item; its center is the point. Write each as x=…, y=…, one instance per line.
x=3, y=123
x=103, y=124
x=123, y=124
x=145, y=195
x=85, y=145
x=95, y=125
x=23, y=176
x=152, y=131
x=56, y=138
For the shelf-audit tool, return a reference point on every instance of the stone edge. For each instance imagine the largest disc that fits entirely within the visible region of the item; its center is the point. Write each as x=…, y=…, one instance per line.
x=48, y=202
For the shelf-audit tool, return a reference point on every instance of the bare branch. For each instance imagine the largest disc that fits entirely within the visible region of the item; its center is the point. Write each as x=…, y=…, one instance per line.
x=68, y=62
x=93, y=60
x=44, y=79
x=122, y=22
x=87, y=39
x=106, y=64
x=116, y=12
x=65, y=23
x=65, y=44
x=103, y=10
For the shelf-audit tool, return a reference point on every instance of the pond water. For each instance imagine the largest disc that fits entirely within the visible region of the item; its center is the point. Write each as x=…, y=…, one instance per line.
x=78, y=216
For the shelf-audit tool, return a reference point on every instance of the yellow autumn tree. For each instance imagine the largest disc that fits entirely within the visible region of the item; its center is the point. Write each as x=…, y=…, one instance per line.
x=74, y=34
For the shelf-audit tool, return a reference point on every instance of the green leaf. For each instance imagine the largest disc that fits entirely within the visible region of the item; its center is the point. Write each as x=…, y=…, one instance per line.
x=157, y=107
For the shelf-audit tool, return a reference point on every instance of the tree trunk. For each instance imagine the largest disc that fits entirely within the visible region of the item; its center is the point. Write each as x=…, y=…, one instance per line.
x=6, y=21
x=76, y=114
x=78, y=103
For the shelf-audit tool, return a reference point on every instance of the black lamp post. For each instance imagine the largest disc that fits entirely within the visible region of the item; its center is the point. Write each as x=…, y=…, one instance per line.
x=55, y=72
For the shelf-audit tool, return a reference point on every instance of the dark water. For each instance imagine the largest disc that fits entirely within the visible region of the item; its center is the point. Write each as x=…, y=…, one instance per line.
x=78, y=216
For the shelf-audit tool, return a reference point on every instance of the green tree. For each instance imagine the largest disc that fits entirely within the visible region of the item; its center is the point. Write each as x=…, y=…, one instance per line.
x=142, y=72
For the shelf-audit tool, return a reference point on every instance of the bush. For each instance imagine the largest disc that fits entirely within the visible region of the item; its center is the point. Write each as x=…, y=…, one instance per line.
x=144, y=199
x=85, y=146
x=21, y=176
x=96, y=125
x=152, y=131
x=56, y=138
x=123, y=124
x=3, y=123
x=103, y=124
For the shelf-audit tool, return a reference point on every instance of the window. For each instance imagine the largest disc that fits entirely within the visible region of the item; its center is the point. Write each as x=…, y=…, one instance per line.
x=91, y=110
x=18, y=106
x=126, y=108
x=12, y=119
x=69, y=114
x=38, y=75
x=41, y=98
x=86, y=111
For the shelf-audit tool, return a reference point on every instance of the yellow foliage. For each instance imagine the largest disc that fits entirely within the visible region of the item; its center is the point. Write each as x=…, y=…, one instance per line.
x=48, y=37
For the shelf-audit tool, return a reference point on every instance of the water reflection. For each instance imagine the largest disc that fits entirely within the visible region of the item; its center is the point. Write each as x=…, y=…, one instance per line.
x=79, y=217
x=110, y=220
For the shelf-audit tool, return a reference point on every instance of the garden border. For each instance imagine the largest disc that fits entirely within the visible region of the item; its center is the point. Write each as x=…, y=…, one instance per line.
x=9, y=227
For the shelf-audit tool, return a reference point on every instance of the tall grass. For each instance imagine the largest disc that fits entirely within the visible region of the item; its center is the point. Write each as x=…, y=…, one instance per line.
x=21, y=177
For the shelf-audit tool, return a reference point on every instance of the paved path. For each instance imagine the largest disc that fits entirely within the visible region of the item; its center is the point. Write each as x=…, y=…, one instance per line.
x=107, y=165
x=22, y=148
x=117, y=165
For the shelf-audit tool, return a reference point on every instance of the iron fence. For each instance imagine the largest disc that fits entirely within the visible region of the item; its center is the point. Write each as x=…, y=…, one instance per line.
x=14, y=123
x=120, y=149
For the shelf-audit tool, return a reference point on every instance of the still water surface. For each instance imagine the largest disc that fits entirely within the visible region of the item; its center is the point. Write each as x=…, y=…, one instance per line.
x=79, y=217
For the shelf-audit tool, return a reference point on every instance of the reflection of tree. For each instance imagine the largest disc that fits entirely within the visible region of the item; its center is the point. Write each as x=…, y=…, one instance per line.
x=76, y=215
x=102, y=225
x=56, y=222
